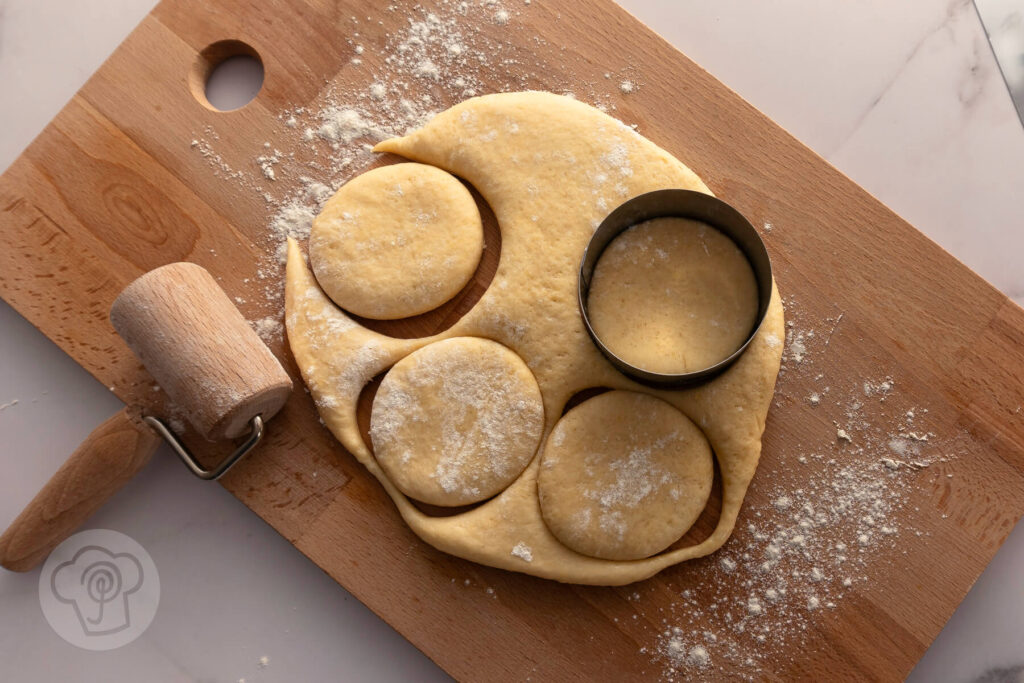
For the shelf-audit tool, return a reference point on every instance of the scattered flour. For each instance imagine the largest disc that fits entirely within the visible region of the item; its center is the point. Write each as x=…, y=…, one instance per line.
x=341, y=125
x=698, y=656
x=294, y=219
x=270, y=329
x=266, y=162
x=838, y=509
x=673, y=646
x=796, y=345
x=523, y=552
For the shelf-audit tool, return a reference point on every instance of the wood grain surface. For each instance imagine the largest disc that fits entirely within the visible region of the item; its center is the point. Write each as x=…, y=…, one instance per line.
x=112, y=189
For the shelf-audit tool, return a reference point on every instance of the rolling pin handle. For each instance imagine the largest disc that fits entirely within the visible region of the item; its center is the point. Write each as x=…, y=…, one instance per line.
x=107, y=460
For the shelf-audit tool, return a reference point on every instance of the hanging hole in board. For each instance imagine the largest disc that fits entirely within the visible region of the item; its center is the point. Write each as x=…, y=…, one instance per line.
x=227, y=75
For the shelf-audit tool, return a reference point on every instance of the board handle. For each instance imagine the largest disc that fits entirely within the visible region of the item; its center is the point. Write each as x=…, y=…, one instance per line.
x=107, y=460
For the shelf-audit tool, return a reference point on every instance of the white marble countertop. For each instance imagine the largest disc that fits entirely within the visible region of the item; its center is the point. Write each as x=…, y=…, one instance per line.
x=904, y=98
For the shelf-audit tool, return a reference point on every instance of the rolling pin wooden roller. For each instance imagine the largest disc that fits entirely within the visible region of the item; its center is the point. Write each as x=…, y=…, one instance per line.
x=213, y=367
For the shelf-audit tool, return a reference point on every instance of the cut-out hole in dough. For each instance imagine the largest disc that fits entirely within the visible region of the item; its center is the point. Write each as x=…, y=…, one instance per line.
x=364, y=406
x=443, y=511
x=583, y=395
x=449, y=313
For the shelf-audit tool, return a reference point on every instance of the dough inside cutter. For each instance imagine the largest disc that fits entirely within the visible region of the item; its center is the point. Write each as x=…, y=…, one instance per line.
x=673, y=296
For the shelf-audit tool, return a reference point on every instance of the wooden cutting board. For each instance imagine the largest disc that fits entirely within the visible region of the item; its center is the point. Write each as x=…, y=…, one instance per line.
x=112, y=188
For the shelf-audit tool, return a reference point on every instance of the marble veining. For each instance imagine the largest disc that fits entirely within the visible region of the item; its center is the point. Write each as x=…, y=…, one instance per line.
x=1004, y=23
x=955, y=8
x=1010, y=674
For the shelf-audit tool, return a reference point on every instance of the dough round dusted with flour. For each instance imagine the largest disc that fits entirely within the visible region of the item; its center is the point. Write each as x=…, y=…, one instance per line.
x=672, y=295
x=623, y=476
x=457, y=421
x=396, y=241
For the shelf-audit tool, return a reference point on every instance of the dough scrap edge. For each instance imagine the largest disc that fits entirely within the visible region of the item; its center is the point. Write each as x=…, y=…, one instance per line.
x=337, y=356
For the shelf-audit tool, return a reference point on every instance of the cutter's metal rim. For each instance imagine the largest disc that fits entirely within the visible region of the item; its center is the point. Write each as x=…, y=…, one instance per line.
x=683, y=204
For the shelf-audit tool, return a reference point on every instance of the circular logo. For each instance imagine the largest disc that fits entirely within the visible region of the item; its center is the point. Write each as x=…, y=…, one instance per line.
x=99, y=589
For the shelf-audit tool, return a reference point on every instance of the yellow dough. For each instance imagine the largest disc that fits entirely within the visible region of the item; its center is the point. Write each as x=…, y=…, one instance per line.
x=551, y=169
x=672, y=295
x=396, y=241
x=457, y=421
x=623, y=476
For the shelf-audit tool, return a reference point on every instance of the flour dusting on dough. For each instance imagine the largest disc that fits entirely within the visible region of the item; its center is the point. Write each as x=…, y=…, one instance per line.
x=523, y=552
x=635, y=477
x=471, y=409
x=623, y=476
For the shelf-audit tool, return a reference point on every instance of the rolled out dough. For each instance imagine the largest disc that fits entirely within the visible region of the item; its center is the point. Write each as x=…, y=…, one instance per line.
x=457, y=421
x=672, y=295
x=551, y=169
x=396, y=241
x=623, y=476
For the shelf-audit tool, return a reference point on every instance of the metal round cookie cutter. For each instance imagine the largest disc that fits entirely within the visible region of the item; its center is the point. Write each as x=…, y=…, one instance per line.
x=679, y=204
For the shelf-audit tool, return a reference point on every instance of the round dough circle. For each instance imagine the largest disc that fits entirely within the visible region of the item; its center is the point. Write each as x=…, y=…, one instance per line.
x=623, y=476
x=457, y=421
x=396, y=241
x=673, y=295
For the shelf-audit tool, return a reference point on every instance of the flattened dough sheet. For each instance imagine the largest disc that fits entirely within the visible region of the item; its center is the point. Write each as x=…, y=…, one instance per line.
x=551, y=169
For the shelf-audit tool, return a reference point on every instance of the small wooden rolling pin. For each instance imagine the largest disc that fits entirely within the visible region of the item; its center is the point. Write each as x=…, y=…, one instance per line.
x=212, y=365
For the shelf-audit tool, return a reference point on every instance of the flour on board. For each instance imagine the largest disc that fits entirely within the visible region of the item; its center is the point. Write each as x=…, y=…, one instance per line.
x=836, y=515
